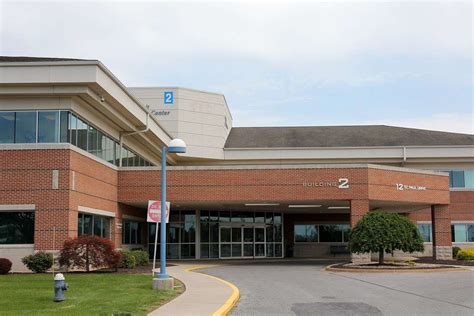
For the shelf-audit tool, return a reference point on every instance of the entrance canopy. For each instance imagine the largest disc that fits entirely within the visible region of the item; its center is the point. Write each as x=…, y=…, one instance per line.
x=286, y=187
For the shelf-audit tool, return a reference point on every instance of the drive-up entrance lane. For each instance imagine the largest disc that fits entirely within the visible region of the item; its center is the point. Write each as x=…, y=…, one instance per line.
x=303, y=288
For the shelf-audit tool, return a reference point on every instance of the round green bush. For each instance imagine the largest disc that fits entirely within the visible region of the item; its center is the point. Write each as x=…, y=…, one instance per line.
x=39, y=262
x=5, y=265
x=141, y=257
x=128, y=260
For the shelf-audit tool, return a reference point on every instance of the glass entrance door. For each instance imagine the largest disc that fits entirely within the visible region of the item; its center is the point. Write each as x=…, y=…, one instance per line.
x=241, y=242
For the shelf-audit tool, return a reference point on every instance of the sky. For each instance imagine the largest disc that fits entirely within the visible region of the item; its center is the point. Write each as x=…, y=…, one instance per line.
x=280, y=63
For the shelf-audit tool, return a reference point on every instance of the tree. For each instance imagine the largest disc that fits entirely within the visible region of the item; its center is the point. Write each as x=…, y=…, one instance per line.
x=384, y=232
x=85, y=252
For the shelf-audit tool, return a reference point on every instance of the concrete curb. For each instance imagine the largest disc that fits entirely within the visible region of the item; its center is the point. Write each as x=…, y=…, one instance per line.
x=231, y=301
x=330, y=268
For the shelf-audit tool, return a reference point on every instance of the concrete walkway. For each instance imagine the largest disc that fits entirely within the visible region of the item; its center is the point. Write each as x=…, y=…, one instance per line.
x=204, y=295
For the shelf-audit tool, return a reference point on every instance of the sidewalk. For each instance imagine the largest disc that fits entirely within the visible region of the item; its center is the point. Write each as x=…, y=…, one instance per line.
x=204, y=295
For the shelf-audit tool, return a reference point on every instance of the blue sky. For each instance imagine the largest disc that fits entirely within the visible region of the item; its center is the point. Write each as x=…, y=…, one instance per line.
x=278, y=63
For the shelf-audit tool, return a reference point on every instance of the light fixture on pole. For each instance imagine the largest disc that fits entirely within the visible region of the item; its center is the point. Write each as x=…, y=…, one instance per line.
x=162, y=280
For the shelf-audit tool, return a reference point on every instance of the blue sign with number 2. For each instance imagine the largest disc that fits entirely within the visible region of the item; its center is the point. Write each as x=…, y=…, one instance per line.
x=168, y=97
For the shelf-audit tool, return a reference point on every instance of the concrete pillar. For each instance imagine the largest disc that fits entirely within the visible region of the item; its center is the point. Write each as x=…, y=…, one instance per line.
x=441, y=230
x=358, y=209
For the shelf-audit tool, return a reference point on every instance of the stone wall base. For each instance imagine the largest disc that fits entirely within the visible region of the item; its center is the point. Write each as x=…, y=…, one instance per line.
x=444, y=253
x=361, y=258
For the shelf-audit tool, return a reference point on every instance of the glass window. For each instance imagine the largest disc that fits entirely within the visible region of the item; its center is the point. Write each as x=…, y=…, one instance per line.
x=73, y=129
x=81, y=134
x=25, y=127
x=425, y=231
x=457, y=179
x=7, y=127
x=64, y=127
x=93, y=225
x=470, y=233
x=306, y=233
x=458, y=232
x=92, y=142
x=189, y=231
x=48, y=126
x=126, y=232
x=101, y=145
x=17, y=227
x=124, y=157
x=204, y=232
x=469, y=178
x=330, y=233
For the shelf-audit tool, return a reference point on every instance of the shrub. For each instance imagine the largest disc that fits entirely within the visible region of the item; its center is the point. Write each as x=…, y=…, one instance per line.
x=39, y=262
x=86, y=252
x=465, y=254
x=128, y=260
x=455, y=251
x=141, y=257
x=5, y=265
x=384, y=232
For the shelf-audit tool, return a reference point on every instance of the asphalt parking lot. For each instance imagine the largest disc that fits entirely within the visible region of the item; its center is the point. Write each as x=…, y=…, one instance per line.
x=303, y=288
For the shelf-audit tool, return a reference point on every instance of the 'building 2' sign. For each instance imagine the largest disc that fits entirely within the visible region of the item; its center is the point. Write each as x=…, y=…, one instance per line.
x=342, y=183
x=168, y=97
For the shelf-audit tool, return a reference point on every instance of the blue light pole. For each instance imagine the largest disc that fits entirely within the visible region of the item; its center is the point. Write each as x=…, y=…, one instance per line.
x=162, y=279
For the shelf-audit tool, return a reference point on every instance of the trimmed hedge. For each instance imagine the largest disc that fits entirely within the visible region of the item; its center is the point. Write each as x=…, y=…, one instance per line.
x=455, y=251
x=39, y=262
x=5, y=265
x=141, y=257
x=128, y=260
x=465, y=254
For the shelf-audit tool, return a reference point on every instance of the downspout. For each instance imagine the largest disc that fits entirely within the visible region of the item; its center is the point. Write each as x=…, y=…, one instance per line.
x=404, y=156
x=124, y=134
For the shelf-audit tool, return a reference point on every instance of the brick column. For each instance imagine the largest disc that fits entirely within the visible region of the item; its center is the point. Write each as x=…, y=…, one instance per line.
x=358, y=209
x=441, y=230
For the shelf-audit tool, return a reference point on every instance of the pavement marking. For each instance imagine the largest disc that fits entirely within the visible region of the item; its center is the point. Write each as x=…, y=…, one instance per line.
x=332, y=268
x=231, y=301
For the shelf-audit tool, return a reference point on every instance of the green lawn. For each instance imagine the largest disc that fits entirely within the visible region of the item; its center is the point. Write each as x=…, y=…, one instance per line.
x=88, y=294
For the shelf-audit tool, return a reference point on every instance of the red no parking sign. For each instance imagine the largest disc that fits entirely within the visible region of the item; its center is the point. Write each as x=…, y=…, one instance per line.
x=154, y=212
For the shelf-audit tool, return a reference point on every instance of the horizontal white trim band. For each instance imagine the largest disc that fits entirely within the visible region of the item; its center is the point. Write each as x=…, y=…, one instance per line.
x=17, y=207
x=90, y=210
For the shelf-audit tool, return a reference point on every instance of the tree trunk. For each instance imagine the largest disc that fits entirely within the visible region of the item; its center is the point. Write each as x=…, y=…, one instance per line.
x=381, y=254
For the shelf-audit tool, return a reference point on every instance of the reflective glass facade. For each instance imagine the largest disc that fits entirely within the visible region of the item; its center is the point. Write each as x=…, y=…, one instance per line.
x=23, y=127
x=96, y=225
x=17, y=227
x=317, y=233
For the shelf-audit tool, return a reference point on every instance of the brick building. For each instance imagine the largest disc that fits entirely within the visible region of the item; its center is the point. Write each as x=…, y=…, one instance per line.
x=80, y=154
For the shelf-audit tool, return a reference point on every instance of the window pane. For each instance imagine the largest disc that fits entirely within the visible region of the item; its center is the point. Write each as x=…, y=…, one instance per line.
x=7, y=127
x=330, y=233
x=173, y=235
x=48, y=127
x=133, y=232
x=81, y=134
x=79, y=224
x=346, y=228
x=87, y=224
x=92, y=140
x=277, y=232
x=224, y=216
x=311, y=233
x=300, y=233
x=204, y=232
x=117, y=154
x=126, y=232
x=214, y=232
x=236, y=234
x=459, y=233
x=259, y=217
x=25, y=127
x=139, y=233
x=100, y=145
x=425, y=231
x=469, y=178
x=470, y=233
x=214, y=251
x=73, y=129
x=106, y=227
x=124, y=157
x=63, y=129
x=458, y=179
x=204, y=250
x=97, y=226
x=17, y=227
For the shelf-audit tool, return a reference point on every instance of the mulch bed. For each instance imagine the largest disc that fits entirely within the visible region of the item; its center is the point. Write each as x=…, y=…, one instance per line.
x=430, y=260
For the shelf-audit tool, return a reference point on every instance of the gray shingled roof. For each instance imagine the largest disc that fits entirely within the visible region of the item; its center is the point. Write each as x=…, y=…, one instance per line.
x=25, y=59
x=341, y=136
